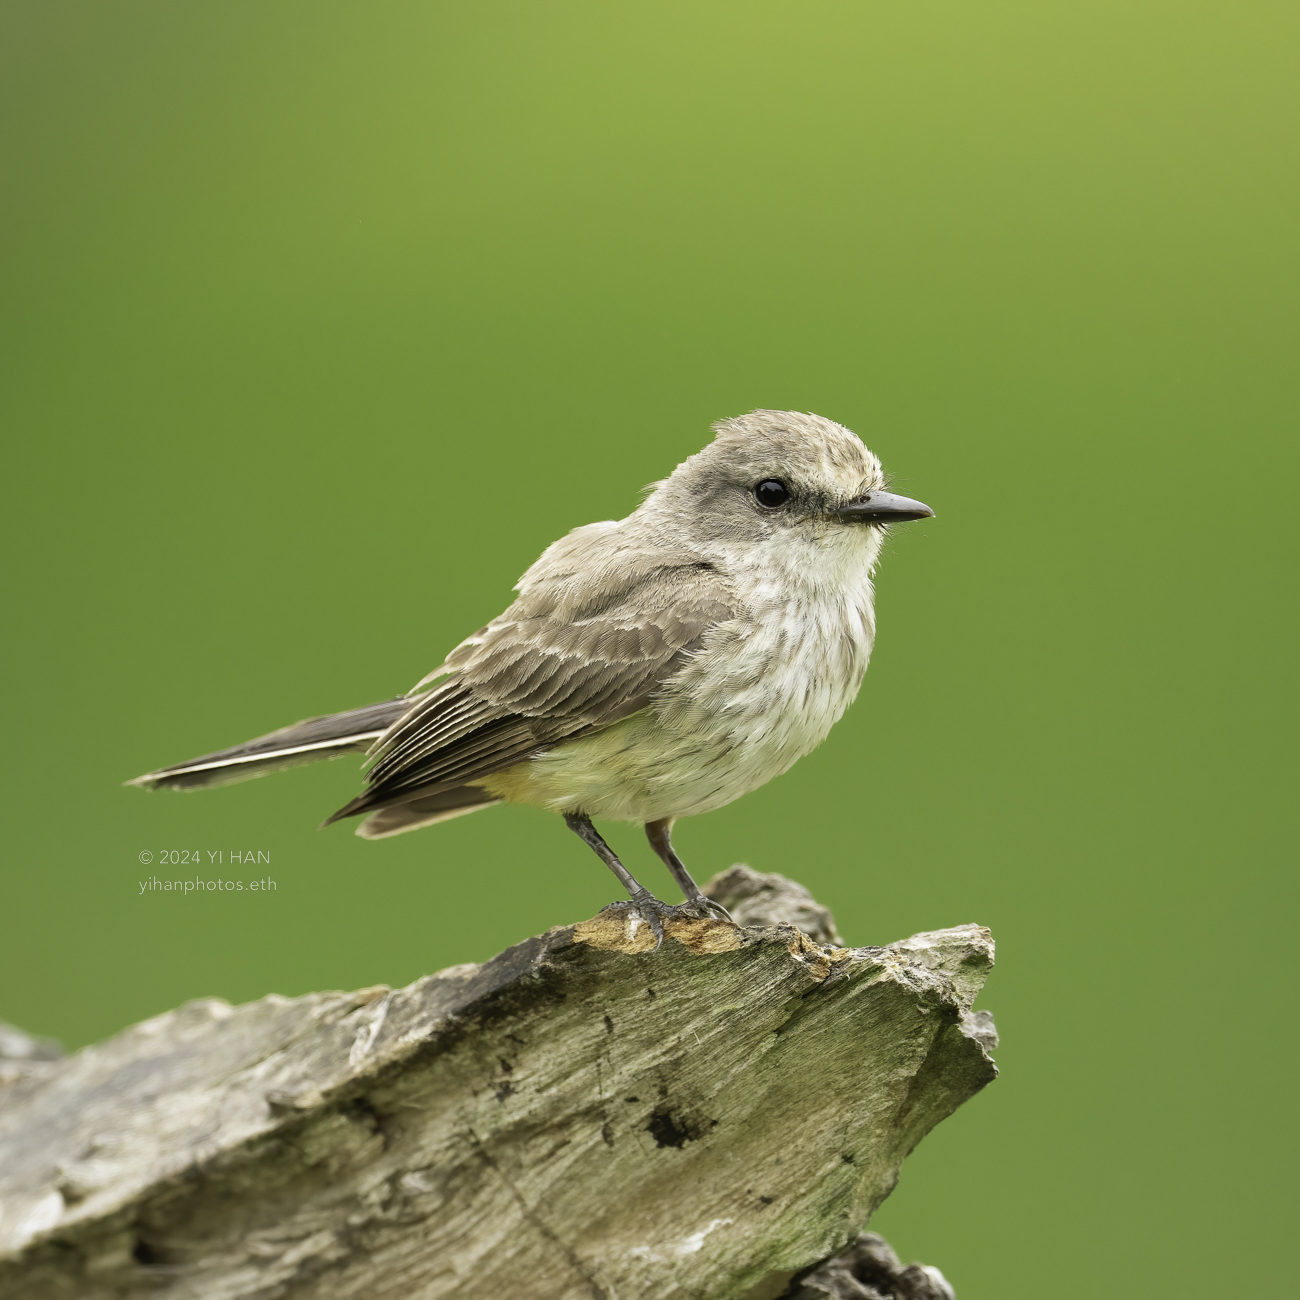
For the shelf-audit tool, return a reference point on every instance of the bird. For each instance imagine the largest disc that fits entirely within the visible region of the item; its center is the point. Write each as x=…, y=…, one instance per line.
x=651, y=668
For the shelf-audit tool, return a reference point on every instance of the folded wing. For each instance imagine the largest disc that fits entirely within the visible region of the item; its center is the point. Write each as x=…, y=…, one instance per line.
x=582, y=647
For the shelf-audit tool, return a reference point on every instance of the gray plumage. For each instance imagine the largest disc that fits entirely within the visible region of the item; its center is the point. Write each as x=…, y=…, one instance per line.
x=568, y=658
x=651, y=668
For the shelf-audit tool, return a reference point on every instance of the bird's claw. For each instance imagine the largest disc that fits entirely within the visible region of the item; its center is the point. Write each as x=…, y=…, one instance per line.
x=706, y=908
x=650, y=910
x=655, y=912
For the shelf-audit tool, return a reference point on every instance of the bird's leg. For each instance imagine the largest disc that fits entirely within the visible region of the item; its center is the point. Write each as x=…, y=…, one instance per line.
x=660, y=836
x=647, y=906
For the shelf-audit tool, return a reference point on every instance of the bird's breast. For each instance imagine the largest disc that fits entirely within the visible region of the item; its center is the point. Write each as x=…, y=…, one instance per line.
x=759, y=694
x=777, y=681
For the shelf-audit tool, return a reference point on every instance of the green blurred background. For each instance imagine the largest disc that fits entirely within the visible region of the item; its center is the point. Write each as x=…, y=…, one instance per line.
x=322, y=319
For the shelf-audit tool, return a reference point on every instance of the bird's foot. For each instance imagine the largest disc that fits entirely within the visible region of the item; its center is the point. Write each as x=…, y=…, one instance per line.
x=654, y=912
x=651, y=910
x=703, y=906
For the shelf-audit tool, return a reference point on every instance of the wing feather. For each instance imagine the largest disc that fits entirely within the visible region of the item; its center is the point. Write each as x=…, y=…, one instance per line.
x=586, y=643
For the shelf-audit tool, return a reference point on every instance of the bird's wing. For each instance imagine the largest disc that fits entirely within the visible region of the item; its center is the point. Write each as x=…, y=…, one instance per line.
x=582, y=647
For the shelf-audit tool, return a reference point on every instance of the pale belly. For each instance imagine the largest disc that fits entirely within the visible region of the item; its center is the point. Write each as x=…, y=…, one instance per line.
x=745, y=710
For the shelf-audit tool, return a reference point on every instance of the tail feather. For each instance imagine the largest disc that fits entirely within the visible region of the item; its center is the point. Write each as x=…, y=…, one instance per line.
x=415, y=813
x=308, y=741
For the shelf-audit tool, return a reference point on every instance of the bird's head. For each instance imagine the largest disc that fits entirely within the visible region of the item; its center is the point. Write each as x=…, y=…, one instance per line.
x=773, y=475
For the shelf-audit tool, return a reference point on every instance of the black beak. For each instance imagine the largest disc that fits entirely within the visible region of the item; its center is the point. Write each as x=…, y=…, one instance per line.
x=883, y=508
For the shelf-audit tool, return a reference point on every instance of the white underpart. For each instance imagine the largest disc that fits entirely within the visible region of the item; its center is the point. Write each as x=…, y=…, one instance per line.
x=763, y=691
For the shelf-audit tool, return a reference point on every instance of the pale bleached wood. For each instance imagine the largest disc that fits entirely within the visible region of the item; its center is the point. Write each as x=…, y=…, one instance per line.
x=578, y=1117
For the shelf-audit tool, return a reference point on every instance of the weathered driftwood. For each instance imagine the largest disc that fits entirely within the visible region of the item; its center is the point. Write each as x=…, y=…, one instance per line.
x=578, y=1117
x=868, y=1269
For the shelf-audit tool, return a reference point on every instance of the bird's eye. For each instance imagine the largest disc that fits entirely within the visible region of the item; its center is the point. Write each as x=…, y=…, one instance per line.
x=771, y=492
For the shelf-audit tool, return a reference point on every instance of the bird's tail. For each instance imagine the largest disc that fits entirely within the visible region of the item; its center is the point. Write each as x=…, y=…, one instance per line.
x=308, y=741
